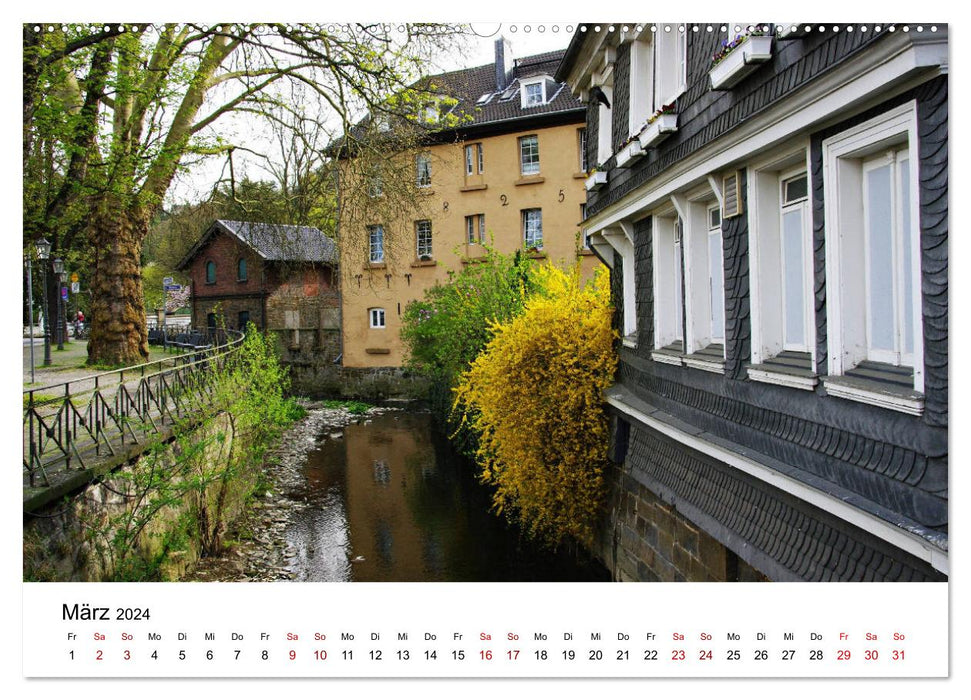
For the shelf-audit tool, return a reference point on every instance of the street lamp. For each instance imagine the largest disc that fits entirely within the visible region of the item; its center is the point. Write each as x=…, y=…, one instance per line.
x=61, y=279
x=43, y=253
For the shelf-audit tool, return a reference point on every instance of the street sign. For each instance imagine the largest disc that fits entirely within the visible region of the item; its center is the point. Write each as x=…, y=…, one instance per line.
x=173, y=287
x=74, y=278
x=166, y=281
x=75, y=287
x=64, y=293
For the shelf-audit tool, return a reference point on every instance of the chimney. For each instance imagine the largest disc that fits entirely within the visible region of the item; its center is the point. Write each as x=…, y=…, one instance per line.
x=504, y=63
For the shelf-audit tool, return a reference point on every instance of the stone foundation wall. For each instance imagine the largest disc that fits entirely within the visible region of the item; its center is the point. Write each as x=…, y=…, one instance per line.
x=77, y=540
x=646, y=539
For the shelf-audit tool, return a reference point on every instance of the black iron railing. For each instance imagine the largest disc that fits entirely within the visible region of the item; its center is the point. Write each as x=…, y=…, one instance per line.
x=71, y=426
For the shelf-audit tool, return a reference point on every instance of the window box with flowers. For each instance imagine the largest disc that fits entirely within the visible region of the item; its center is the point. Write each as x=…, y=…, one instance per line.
x=658, y=127
x=629, y=153
x=739, y=57
x=596, y=180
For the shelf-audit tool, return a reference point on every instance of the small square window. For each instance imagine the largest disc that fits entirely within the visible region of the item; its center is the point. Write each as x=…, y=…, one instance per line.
x=533, y=94
x=377, y=318
x=796, y=189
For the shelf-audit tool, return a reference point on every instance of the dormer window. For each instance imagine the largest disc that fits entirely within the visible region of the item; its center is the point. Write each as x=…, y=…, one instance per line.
x=534, y=92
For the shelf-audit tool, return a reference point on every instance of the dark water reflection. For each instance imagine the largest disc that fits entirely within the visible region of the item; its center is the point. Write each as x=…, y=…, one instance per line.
x=391, y=502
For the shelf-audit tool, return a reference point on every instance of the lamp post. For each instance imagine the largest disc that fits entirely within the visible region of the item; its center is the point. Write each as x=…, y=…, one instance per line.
x=30, y=311
x=43, y=253
x=61, y=277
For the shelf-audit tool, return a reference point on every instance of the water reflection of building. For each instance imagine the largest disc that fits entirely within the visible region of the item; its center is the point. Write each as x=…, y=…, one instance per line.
x=392, y=517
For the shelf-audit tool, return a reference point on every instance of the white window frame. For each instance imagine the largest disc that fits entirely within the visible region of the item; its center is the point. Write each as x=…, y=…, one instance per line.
x=847, y=303
x=716, y=305
x=423, y=229
x=806, y=271
x=641, y=105
x=698, y=331
x=524, y=94
x=475, y=229
x=473, y=159
x=376, y=244
x=530, y=168
x=582, y=145
x=423, y=170
x=605, y=147
x=897, y=355
x=376, y=317
x=765, y=213
x=532, y=228
x=668, y=270
x=670, y=63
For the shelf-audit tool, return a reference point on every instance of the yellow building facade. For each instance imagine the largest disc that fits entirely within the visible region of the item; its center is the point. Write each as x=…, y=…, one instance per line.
x=513, y=183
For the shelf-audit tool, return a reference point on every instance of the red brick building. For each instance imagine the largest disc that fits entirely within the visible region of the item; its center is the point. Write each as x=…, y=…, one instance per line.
x=282, y=278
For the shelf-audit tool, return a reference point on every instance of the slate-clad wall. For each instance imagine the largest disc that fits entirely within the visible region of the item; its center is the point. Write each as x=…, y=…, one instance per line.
x=738, y=329
x=705, y=114
x=678, y=515
x=885, y=462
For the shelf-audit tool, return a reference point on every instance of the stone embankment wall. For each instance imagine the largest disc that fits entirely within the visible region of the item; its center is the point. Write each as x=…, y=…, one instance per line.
x=149, y=520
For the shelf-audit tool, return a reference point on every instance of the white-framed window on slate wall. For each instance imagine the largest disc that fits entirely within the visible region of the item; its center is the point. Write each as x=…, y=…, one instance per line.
x=670, y=63
x=668, y=270
x=781, y=267
x=873, y=260
x=704, y=279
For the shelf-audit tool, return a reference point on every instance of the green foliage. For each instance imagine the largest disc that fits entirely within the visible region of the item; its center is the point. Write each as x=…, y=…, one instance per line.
x=356, y=408
x=534, y=397
x=178, y=497
x=446, y=330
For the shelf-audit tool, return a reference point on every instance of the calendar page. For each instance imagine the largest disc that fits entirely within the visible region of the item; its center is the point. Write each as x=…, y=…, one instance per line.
x=499, y=351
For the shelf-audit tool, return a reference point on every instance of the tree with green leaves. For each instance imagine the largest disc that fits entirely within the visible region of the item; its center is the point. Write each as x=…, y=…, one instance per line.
x=112, y=113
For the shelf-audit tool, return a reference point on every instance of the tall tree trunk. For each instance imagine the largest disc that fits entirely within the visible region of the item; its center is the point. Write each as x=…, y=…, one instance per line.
x=119, y=335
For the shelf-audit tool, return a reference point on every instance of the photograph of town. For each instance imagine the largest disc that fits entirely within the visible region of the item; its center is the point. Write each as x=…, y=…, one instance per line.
x=444, y=302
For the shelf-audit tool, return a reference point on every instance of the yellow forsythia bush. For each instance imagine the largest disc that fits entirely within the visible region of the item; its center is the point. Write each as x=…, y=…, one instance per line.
x=535, y=397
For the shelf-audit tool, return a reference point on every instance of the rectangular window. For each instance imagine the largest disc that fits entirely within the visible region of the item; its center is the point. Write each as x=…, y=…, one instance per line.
x=670, y=60
x=781, y=263
x=475, y=229
x=794, y=239
x=677, y=287
x=534, y=94
x=473, y=159
x=873, y=260
x=533, y=228
x=529, y=155
x=582, y=139
x=423, y=239
x=641, y=98
x=605, y=147
x=423, y=169
x=375, y=186
x=584, y=233
x=889, y=274
x=377, y=318
x=376, y=243
x=716, y=276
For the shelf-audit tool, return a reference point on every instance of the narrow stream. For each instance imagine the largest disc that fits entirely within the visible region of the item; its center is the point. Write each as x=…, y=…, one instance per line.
x=389, y=501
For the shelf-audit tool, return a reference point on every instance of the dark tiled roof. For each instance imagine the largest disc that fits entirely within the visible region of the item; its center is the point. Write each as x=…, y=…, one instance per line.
x=282, y=242
x=471, y=85
x=273, y=242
